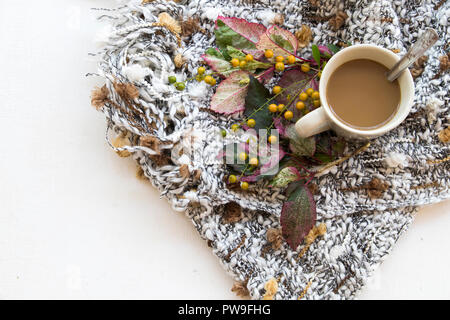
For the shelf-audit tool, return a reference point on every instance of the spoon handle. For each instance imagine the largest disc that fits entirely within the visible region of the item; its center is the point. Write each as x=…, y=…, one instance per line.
x=425, y=41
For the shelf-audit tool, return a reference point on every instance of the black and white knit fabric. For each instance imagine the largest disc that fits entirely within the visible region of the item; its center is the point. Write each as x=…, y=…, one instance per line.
x=360, y=231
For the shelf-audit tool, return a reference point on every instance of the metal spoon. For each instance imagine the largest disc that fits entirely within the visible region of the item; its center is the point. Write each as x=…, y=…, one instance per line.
x=425, y=42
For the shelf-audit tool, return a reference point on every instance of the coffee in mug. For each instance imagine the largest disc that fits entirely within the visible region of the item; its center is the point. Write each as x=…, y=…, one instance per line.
x=358, y=101
x=360, y=95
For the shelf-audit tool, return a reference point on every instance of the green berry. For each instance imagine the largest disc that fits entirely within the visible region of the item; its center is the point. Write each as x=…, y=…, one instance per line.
x=172, y=79
x=223, y=132
x=180, y=86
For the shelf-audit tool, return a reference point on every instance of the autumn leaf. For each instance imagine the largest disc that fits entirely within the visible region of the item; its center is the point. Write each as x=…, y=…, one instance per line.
x=231, y=156
x=269, y=157
x=292, y=81
x=238, y=33
x=298, y=216
x=300, y=146
x=250, y=65
x=256, y=102
x=230, y=94
x=325, y=51
x=328, y=148
x=279, y=40
x=215, y=59
x=278, y=124
x=285, y=176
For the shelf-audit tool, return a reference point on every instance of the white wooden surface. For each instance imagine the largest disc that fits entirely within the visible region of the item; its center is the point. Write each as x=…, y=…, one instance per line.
x=76, y=223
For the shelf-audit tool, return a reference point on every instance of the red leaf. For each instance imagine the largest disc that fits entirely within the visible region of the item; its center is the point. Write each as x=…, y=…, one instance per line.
x=217, y=62
x=230, y=94
x=292, y=81
x=298, y=216
x=279, y=126
x=269, y=163
x=249, y=30
x=279, y=40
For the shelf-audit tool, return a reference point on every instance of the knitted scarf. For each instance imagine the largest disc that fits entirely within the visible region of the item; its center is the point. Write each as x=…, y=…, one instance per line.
x=366, y=202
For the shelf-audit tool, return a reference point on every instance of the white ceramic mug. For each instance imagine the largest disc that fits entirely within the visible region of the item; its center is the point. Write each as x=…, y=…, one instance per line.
x=323, y=118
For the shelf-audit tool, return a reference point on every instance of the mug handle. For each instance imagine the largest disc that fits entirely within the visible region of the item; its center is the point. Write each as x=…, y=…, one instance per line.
x=312, y=123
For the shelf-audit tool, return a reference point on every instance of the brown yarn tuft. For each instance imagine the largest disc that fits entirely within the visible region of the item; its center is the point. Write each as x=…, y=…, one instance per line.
x=151, y=142
x=232, y=213
x=99, y=97
x=338, y=20
x=184, y=171
x=278, y=19
x=179, y=60
x=197, y=175
x=444, y=63
x=240, y=288
x=444, y=135
x=375, y=188
x=191, y=26
x=418, y=66
x=126, y=91
x=304, y=35
x=160, y=160
x=275, y=237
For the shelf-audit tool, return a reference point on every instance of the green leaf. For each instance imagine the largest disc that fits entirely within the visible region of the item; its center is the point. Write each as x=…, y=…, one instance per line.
x=316, y=54
x=285, y=176
x=238, y=33
x=300, y=146
x=298, y=216
x=215, y=59
x=251, y=65
x=334, y=48
x=231, y=155
x=256, y=103
x=282, y=42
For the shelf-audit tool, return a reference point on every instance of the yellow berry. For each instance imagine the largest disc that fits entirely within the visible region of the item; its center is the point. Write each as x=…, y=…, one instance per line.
x=309, y=91
x=249, y=58
x=244, y=185
x=232, y=178
x=201, y=70
x=254, y=161
x=300, y=105
x=319, y=74
x=276, y=90
x=291, y=59
x=280, y=107
x=303, y=96
x=315, y=95
x=208, y=79
x=288, y=115
x=279, y=59
x=272, y=139
x=273, y=108
x=213, y=82
x=242, y=156
x=251, y=123
x=305, y=67
x=268, y=53
x=235, y=62
x=242, y=64
x=279, y=66
x=316, y=103
x=234, y=127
